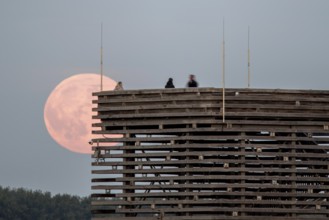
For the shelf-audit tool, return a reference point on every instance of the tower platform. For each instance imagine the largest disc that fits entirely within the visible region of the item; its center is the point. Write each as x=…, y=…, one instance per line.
x=175, y=158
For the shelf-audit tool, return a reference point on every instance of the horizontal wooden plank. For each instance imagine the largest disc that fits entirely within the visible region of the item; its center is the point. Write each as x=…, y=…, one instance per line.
x=213, y=107
x=213, y=202
x=213, y=99
x=213, y=194
x=224, y=178
x=316, y=129
x=213, y=186
x=216, y=153
x=214, y=146
x=228, y=114
x=208, y=170
x=227, y=209
x=238, y=94
x=211, y=137
x=214, y=121
x=263, y=91
x=212, y=162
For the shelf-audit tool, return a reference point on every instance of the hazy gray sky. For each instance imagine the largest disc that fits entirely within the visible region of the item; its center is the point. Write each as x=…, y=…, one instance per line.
x=145, y=42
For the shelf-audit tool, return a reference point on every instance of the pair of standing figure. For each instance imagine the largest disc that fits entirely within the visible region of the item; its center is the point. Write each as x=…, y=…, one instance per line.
x=191, y=83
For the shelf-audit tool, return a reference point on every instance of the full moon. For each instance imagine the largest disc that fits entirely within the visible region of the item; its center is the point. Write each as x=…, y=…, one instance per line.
x=68, y=110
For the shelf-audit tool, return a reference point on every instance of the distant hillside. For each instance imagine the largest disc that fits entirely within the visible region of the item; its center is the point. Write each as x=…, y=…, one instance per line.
x=23, y=204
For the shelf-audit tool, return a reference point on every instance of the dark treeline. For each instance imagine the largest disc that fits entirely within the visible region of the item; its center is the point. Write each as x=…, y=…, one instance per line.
x=23, y=204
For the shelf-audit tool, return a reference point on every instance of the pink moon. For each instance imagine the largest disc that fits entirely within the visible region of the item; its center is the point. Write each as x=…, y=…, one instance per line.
x=68, y=110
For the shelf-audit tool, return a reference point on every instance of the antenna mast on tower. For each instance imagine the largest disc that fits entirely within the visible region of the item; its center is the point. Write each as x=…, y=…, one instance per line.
x=102, y=56
x=248, y=58
x=223, y=72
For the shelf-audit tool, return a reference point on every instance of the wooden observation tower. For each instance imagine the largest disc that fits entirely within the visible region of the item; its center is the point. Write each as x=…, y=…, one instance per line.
x=175, y=159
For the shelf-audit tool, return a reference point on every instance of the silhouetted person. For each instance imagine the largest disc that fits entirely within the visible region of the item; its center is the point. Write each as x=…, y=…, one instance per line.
x=119, y=86
x=192, y=82
x=170, y=84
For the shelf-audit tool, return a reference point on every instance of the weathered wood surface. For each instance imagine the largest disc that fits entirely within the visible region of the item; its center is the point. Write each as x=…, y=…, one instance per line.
x=174, y=157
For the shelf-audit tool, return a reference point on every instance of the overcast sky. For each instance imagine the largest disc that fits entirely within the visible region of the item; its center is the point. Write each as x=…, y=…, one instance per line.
x=145, y=42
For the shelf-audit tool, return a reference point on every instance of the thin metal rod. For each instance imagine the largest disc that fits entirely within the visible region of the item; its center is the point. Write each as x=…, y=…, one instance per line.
x=223, y=72
x=102, y=56
x=248, y=57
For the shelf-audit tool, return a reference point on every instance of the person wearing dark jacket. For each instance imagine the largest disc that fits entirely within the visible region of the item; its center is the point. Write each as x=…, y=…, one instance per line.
x=192, y=82
x=119, y=86
x=170, y=84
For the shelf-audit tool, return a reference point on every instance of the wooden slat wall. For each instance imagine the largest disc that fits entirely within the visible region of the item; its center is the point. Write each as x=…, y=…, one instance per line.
x=166, y=154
